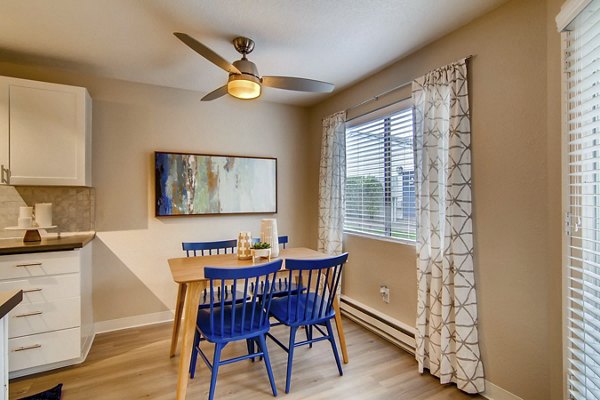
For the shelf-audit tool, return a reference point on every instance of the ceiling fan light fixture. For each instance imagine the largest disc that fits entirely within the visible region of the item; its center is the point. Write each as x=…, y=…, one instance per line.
x=244, y=80
x=245, y=87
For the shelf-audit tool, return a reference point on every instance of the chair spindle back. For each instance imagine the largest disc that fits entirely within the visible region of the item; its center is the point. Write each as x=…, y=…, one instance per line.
x=208, y=248
x=247, y=314
x=318, y=281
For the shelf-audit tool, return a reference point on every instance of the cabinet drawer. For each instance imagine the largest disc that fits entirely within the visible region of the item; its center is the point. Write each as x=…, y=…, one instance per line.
x=44, y=348
x=38, y=264
x=45, y=289
x=28, y=319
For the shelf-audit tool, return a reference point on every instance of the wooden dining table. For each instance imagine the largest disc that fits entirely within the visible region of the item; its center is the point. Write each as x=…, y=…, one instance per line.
x=188, y=273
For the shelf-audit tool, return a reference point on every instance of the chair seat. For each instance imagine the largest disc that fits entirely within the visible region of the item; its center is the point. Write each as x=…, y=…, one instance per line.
x=281, y=288
x=237, y=333
x=314, y=312
x=205, y=298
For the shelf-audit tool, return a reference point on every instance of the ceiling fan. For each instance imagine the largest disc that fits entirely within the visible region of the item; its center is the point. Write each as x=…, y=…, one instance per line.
x=244, y=81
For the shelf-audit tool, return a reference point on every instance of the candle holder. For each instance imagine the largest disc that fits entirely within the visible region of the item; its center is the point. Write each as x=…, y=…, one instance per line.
x=244, y=245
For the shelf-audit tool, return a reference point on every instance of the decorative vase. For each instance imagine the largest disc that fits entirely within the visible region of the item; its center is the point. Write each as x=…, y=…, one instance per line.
x=268, y=234
x=244, y=244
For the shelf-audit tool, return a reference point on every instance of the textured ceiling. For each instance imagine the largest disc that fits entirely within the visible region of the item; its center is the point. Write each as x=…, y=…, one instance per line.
x=338, y=41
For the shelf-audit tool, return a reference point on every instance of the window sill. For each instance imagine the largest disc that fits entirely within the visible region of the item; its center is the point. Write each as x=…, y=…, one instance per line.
x=381, y=238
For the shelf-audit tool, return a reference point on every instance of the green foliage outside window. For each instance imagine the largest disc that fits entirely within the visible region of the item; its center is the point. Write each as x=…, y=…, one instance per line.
x=364, y=196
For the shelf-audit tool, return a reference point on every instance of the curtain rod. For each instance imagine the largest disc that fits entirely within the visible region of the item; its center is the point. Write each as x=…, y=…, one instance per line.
x=375, y=98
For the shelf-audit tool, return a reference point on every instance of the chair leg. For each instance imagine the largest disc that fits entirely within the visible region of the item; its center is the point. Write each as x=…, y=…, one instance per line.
x=250, y=347
x=308, y=329
x=333, y=346
x=288, y=378
x=263, y=346
x=215, y=370
x=194, y=355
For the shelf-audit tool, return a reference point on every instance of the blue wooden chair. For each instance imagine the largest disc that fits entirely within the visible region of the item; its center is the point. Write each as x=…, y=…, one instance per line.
x=312, y=306
x=194, y=249
x=223, y=323
x=283, y=240
x=207, y=248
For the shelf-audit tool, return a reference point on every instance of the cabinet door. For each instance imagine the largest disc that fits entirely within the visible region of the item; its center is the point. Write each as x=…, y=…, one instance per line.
x=48, y=128
x=4, y=358
x=4, y=129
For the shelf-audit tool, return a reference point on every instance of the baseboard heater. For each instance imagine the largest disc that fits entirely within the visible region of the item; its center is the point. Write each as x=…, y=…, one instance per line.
x=382, y=325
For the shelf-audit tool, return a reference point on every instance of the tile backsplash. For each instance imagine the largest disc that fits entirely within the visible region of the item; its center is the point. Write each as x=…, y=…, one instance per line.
x=73, y=208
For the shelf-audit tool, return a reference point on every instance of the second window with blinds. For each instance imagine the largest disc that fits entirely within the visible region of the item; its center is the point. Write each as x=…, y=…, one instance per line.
x=380, y=174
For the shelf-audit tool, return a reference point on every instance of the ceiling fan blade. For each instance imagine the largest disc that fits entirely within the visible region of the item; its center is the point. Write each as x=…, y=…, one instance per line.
x=207, y=53
x=215, y=94
x=299, y=84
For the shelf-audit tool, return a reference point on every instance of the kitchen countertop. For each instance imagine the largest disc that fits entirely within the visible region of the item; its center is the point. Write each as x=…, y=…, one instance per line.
x=17, y=246
x=9, y=300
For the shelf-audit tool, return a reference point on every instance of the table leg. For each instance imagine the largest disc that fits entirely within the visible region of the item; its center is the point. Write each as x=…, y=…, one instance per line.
x=192, y=298
x=177, y=319
x=340, y=329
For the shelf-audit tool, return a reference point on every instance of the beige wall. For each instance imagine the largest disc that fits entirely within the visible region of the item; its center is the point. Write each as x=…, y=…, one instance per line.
x=130, y=122
x=516, y=192
x=514, y=94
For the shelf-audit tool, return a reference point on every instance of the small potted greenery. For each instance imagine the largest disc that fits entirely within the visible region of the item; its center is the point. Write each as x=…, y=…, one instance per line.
x=260, y=250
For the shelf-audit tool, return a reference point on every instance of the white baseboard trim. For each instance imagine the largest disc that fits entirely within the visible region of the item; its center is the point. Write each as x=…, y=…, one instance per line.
x=402, y=336
x=494, y=392
x=133, y=322
x=379, y=323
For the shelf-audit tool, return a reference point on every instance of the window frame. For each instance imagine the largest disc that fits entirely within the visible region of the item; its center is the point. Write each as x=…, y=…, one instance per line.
x=382, y=113
x=569, y=11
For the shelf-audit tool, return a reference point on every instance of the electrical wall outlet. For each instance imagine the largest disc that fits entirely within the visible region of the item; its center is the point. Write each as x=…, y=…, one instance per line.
x=384, y=292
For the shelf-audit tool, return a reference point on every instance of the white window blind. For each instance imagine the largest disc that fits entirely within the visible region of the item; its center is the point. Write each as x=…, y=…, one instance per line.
x=380, y=189
x=582, y=63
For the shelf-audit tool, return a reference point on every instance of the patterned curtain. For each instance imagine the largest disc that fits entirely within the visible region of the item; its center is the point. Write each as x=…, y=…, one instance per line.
x=332, y=179
x=447, y=336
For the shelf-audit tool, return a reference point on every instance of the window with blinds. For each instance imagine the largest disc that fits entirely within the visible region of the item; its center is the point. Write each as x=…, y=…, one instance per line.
x=380, y=175
x=582, y=186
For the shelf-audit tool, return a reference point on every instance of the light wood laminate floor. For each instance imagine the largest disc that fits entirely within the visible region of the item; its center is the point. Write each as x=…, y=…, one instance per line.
x=135, y=364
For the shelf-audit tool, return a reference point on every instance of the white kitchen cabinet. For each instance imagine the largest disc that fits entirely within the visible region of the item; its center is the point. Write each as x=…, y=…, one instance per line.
x=4, y=130
x=53, y=326
x=45, y=133
x=8, y=301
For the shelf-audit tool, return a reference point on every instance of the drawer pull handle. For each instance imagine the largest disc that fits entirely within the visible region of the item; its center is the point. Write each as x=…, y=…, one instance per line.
x=32, y=290
x=34, y=346
x=30, y=314
x=36, y=264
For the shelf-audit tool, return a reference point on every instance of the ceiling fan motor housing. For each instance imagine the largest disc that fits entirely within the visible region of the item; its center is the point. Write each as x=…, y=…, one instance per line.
x=246, y=67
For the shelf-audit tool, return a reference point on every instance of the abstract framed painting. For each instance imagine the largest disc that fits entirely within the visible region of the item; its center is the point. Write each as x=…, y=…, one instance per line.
x=208, y=184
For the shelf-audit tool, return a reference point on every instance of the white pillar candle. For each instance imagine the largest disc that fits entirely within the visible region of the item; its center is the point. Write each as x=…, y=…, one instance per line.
x=24, y=222
x=43, y=214
x=25, y=212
